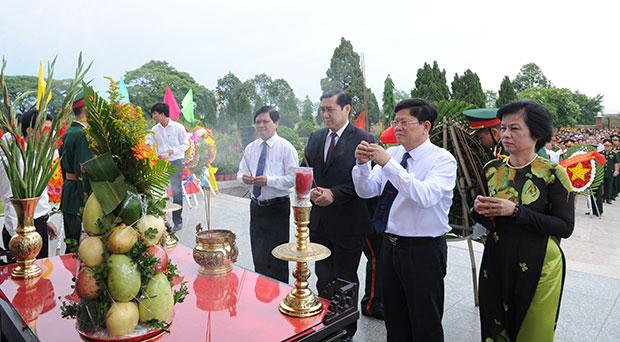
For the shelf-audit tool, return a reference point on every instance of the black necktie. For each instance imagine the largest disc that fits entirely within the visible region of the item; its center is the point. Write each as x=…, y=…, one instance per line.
x=379, y=220
x=331, y=146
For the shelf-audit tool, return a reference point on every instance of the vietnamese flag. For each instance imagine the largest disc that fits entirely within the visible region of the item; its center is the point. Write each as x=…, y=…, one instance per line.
x=360, y=121
x=172, y=104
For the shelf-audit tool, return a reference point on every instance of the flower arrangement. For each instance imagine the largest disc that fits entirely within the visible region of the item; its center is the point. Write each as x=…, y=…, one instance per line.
x=125, y=287
x=54, y=188
x=29, y=166
x=202, y=151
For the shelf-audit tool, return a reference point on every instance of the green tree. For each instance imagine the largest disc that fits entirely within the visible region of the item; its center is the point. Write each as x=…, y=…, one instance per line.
x=240, y=107
x=281, y=95
x=345, y=73
x=491, y=97
x=506, y=93
x=559, y=101
x=389, y=101
x=305, y=128
x=590, y=107
x=468, y=88
x=147, y=86
x=430, y=83
x=344, y=68
x=400, y=94
x=19, y=85
x=530, y=76
x=307, y=110
x=290, y=135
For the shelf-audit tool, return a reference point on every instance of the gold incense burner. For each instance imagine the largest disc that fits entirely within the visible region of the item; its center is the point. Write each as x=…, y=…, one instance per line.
x=301, y=302
x=215, y=251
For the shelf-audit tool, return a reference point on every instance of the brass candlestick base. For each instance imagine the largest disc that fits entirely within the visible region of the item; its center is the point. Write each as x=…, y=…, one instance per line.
x=301, y=302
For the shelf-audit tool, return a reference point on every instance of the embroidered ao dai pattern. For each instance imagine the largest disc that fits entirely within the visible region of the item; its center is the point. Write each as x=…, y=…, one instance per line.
x=522, y=271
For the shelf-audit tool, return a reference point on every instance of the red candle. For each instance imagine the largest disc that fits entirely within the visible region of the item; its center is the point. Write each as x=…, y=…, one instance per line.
x=303, y=182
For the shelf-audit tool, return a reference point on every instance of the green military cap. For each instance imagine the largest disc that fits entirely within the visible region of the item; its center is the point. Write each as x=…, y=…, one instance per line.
x=607, y=142
x=482, y=118
x=615, y=137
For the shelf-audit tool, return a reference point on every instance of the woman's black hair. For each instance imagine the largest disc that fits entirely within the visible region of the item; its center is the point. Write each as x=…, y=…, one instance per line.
x=536, y=116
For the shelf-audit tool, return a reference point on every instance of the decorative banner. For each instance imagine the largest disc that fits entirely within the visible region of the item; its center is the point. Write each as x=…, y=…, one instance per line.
x=188, y=106
x=41, y=87
x=388, y=136
x=122, y=89
x=169, y=99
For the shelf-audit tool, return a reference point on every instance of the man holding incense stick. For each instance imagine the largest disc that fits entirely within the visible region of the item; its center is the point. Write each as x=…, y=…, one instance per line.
x=339, y=218
x=268, y=169
x=415, y=180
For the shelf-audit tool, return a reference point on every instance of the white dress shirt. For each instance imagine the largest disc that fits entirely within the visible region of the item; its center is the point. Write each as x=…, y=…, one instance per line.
x=424, y=190
x=280, y=166
x=170, y=137
x=10, y=216
x=328, y=140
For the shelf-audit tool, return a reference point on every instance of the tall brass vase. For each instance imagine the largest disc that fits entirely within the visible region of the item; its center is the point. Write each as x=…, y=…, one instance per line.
x=26, y=243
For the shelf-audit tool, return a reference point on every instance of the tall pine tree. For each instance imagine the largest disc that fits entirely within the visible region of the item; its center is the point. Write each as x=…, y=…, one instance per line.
x=345, y=72
x=389, y=101
x=468, y=88
x=506, y=93
x=430, y=83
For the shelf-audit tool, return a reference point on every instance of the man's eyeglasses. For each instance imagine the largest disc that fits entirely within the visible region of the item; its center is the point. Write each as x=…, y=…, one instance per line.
x=404, y=124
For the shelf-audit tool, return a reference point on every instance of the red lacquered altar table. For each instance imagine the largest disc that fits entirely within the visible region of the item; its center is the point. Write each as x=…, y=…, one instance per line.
x=240, y=306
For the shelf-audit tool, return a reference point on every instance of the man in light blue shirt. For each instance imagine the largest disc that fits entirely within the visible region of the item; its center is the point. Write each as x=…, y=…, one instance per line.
x=416, y=181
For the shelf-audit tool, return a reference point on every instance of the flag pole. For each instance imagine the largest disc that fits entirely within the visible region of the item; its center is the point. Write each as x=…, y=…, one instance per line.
x=365, y=112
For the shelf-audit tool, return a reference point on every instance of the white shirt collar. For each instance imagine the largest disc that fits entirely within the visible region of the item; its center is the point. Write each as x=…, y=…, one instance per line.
x=419, y=151
x=271, y=140
x=339, y=132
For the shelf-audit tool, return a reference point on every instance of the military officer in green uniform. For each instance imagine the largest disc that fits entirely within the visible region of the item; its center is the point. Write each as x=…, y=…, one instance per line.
x=615, y=139
x=486, y=127
x=74, y=151
x=611, y=170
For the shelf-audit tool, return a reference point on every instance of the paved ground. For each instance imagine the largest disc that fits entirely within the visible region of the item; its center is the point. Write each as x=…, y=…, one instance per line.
x=590, y=305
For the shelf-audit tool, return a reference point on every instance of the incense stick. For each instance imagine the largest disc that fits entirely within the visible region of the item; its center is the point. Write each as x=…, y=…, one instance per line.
x=308, y=165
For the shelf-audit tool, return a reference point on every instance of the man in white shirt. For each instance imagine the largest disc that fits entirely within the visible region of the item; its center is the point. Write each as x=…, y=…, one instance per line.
x=46, y=229
x=268, y=169
x=416, y=182
x=171, y=144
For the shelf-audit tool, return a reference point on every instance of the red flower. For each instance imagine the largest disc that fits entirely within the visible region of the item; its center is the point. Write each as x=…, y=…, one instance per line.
x=1, y=133
x=45, y=129
x=62, y=131
x=21, y=142
x=59, y=143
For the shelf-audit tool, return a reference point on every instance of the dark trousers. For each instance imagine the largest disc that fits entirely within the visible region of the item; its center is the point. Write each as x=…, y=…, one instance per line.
x=269, y=228
x=596, y=201
x=608, y=183
x=176, y=183
x=40, y=225
x=413, y=288
x=346, y=252
x=73, y=226
x=372, y=302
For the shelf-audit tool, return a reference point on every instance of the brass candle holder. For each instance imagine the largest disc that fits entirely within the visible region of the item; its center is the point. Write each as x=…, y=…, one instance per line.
x=170, y=242
x=301, y=302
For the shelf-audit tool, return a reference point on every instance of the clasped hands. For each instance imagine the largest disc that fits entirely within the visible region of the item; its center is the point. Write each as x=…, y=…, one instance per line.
x=365, y=152
x=492, y=206
x=256, y=181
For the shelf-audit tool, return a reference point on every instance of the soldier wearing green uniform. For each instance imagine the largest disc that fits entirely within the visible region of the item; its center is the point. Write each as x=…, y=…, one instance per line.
x=615, y=139
x=486, y=127
x=74, y=151
x=611, y=170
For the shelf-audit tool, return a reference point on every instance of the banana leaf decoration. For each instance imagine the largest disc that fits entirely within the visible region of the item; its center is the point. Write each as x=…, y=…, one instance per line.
x=106, y=181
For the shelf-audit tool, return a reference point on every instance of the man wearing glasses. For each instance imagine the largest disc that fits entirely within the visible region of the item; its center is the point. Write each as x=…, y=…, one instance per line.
x=416, y=182
x=268, y=168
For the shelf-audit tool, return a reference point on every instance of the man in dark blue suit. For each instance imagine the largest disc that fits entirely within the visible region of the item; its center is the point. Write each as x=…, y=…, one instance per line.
x=339, y=219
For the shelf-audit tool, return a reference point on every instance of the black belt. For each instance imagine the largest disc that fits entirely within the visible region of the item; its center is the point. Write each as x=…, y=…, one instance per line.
x=396, y=240
x=271, y=201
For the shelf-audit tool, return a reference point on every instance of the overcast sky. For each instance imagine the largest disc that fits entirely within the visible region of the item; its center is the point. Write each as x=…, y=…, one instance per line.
x=576, y=43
